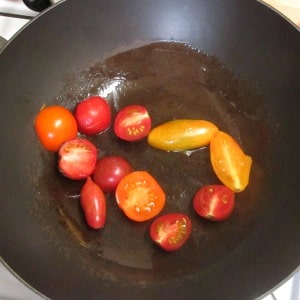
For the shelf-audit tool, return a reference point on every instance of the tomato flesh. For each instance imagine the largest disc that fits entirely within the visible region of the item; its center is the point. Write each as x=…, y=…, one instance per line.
x=214, y=202
x=109, y=171
x=77, y=158
x=93, y=203
x=93, y=115
x=132, y=123
x=140, y=196
x=231, y=165
x=171, y=231
x=181, y=135
x=55, y=125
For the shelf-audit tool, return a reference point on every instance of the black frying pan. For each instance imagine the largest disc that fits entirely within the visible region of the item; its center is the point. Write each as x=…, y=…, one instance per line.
x=43, y=236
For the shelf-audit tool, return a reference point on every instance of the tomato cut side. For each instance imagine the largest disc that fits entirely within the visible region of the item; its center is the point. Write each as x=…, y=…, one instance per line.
x=140, y=196
x=132, y=123
x=55, y=125
x=171, y=231
x=214, y=202
x=231, y=165
x=77, y=158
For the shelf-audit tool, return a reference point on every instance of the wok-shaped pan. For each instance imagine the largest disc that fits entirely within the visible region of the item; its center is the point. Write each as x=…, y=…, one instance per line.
x=43, y=236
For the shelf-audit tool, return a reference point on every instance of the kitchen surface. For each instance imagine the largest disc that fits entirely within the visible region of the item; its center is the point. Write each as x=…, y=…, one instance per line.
x=14, y=15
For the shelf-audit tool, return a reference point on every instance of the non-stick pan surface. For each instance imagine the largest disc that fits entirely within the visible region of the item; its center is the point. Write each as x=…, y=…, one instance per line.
x=48, y=62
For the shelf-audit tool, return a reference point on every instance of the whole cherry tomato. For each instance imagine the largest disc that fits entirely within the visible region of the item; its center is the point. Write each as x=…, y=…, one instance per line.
x=93, y=203
x=109, y=171
x=214, y=202
x=171, y=231
x=55, y=125
x=230, y=163
x=181, y=135
x=140, y=196
x=93, y=115
x=77, y=158
x=132, y=123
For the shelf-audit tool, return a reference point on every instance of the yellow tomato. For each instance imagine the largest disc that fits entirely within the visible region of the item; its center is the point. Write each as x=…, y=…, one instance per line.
x=181, y=135
x=230, y=163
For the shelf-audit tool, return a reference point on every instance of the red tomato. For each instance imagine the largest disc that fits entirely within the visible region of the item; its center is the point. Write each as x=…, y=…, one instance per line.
x=93, y=204
x=93, y=115
x=77, y=158
x=55, y=125
x=171, y=231
x=214, y=202
x=140, y=196
x=109, y=171
x=132, y=123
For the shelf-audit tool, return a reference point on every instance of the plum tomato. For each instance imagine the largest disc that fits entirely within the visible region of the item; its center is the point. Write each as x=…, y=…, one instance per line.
x=109, y=171
x=55, y=125
x=93, y=203
x=93, y=115
x=140, y=196
x=182, y=135
x=171, y=231
x=132, y=123
x=77, y=158
x=231, y=165
x=214, y=202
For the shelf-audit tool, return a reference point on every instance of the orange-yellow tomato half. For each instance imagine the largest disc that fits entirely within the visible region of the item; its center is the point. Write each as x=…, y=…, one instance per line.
x=231, y=165
x=182, y=135
x=55, y=125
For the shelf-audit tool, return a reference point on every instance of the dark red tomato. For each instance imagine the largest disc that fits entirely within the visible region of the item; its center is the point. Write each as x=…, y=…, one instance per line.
x=109, y=171
x=93, y=115
x=214, y=202
x=132, y=123
x=171, y=231
x=77, y=158
x=93, y=203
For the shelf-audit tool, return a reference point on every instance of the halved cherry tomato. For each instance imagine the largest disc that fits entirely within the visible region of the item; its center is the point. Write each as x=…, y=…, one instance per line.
x=230, y=163
x=93, y=203
x=171, y=231
x=132, y=123
x=55, y=125
x=77, y=158
x=214, y=202
x=181, y=135
x=109, y=171
x=140, y=196
x=93, y=115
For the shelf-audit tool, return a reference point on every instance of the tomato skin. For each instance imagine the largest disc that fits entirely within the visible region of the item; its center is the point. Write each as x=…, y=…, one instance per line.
x=182, y=134
x=140, y=196
x=231, y=165
x=93, y=203
x=77, y=158
x=93, y=115
x=171, y=231
x=132, y=123
x=214, y=202
x=109, y=171
x=55, y=125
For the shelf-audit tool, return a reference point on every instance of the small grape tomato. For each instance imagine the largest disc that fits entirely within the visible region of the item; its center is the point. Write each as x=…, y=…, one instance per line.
x=93, y=115
x=55, y=125
x=140, y=196
x=77, y=158
x=132, y=123
x=171, y=231
x=214, y=202
x=93, y=203
x=109, y=171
